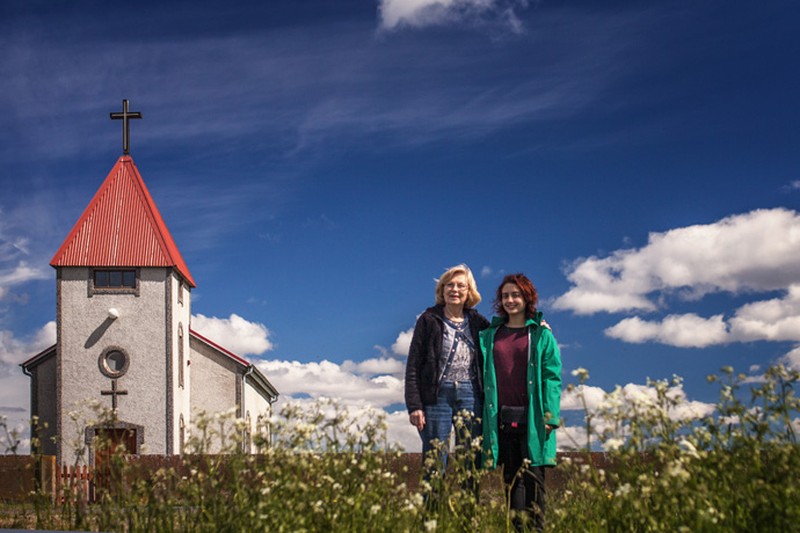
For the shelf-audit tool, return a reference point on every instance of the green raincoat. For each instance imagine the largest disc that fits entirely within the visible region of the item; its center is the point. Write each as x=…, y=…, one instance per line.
x=544, y=393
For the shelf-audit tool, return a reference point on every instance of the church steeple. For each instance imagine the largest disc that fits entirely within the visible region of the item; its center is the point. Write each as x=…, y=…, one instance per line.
x=121, y=227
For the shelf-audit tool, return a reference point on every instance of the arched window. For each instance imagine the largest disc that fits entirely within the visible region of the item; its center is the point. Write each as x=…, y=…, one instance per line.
x=181, y=435
x=248, y=434
x=180, y=355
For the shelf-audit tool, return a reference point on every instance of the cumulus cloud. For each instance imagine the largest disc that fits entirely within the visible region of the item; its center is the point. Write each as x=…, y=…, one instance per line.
x=686, y=331
x=756, y=251
x=792, y=359
x=421, y=13
x=326, y=379
x=403, y=342
x=14, y=351
x=741, y=254
x=234, y=333
x=777, y=319
x=623, y=400
x=375, y=366
x=14, y=385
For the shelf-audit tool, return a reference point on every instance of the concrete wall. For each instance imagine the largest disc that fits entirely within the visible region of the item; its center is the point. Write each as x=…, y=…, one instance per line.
x=85, y=331
x=43, y=406
x=260, y=411
x=180, y=305
x=215, y=379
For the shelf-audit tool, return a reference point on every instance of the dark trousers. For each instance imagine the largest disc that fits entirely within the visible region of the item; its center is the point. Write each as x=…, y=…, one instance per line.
x=526, y=484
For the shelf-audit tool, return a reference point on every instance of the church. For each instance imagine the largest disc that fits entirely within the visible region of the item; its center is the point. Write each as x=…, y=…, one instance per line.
x=125, y=339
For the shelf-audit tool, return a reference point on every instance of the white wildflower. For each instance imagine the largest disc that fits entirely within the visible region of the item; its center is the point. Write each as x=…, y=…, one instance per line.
x=613, y=444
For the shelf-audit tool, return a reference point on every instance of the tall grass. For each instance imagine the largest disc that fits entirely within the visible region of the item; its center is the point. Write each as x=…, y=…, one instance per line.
x=732, y=470
x=329, y=470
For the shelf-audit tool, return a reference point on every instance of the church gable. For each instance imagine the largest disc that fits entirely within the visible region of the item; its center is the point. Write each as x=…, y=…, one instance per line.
x=214, y=367
x=121, y=227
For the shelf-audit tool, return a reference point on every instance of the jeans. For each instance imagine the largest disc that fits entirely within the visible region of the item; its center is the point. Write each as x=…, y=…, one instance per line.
x=439, y=417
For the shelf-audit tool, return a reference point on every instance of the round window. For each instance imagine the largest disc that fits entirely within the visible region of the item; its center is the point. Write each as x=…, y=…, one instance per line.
x=113, y=362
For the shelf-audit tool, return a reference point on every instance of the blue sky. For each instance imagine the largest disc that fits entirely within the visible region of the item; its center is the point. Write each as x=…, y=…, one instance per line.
x=320, y=163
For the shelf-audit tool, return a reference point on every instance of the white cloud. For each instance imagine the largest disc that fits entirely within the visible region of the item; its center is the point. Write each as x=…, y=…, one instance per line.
x=14, y=385
x=14, y=351
x=402, y=433
x=403, y=342
x=686, y=331
x=375, y=366
x=234, y=333
x=574, y=400
x=742, y=254
x=330, y=380
x=607, y=407
x=777, y=319
x=792, y=359
x=422, y=13
x=18, y=274
x=756, y=251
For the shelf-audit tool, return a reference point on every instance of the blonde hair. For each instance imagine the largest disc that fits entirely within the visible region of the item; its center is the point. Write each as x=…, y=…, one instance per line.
x=473, y=296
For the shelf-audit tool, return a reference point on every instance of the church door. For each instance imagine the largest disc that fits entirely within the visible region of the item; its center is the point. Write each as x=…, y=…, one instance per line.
x=112, y=443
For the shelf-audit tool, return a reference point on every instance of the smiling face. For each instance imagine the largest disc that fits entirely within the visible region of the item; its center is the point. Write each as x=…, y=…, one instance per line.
x=513, y=302
x=455, y=290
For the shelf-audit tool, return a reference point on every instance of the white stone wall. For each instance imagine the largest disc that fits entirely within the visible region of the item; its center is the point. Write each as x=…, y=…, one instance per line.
x=181, y=317
x=213, y=386
x=85, y=330
x=260, y=412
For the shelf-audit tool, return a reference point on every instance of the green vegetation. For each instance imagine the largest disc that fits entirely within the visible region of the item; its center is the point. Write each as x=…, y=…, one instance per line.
x=326, y=469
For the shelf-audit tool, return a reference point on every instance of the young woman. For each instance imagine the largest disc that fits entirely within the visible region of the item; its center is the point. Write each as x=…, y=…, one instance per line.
x=443, y=372
x=522, y=396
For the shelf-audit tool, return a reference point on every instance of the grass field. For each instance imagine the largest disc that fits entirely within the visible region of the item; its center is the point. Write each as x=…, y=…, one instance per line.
x=734, y=470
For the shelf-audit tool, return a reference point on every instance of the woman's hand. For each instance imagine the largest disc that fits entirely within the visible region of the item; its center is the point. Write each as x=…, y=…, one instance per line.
x=417, y=419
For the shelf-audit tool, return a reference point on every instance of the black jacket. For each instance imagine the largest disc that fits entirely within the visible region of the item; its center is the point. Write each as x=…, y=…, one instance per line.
x=424, y=362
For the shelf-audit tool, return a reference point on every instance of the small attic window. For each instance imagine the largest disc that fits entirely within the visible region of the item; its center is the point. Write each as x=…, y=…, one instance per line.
x=112, y=279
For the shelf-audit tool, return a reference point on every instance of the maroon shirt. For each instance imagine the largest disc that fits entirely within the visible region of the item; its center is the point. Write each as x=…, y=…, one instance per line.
x=511, y=365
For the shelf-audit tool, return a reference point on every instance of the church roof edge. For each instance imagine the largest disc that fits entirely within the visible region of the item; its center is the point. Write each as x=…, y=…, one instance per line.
x=38, y=358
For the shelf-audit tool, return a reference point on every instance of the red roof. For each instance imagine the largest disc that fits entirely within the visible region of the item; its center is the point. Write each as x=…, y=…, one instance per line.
x=121, y=227
x=219, y=348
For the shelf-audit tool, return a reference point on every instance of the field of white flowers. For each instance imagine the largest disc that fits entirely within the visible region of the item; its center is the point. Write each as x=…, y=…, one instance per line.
x=325, y=470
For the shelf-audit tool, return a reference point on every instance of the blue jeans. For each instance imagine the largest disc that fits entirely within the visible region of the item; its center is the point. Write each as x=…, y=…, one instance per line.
x=439, y=417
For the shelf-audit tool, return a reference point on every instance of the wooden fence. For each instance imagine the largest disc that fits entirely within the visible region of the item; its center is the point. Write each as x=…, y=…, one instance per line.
x=76, y=482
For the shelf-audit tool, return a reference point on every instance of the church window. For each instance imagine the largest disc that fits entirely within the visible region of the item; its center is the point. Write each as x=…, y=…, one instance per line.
x=115, y=279
x=181, y=436
x=248, y=434
x=180, y=355
x=113, y=362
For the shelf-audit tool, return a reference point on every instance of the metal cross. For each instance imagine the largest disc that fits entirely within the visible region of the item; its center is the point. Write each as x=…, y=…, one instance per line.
x=125, y=115
x=114, y=393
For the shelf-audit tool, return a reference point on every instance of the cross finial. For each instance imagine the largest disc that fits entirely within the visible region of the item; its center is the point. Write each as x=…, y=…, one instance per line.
x=125, y=115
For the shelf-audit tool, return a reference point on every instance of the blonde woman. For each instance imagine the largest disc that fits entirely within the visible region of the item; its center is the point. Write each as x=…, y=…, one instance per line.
x=445, y=364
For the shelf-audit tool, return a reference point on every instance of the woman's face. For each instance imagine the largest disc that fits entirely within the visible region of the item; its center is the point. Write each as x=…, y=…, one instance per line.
x=512, y=299
x=455, y=290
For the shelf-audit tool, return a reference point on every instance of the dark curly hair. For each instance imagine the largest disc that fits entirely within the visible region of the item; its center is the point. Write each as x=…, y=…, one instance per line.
x=529, y=294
